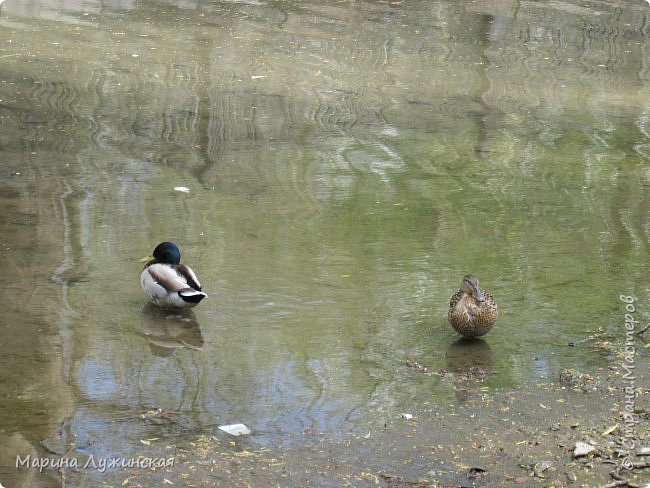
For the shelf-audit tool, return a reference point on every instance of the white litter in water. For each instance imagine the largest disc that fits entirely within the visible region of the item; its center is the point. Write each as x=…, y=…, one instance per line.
x=184, y=189
x=235, y=429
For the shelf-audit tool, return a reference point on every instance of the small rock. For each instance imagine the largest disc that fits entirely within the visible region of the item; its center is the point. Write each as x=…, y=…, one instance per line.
x=620, y=453
x=540, y=468
x=643, y=451
x=582, y=449
x=476, y=471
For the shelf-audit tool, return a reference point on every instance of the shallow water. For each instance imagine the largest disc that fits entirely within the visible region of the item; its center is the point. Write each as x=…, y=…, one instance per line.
x=347, y=163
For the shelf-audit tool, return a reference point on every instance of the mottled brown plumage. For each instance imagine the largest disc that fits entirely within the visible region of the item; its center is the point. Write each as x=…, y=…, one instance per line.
x=472, y=311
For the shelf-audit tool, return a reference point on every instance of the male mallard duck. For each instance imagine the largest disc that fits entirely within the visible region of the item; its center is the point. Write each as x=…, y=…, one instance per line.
x=168, y=283
x=472, y=311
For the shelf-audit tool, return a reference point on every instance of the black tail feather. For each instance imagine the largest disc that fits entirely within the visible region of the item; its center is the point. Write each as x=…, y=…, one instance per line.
x=192, y=297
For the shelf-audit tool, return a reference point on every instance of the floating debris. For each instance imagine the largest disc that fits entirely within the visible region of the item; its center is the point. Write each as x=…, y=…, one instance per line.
x=610, y=430
x=582, y=449
x=406, y=416
x=415, y=366
x=576, y=380
x=183, y=189
x=158, y=416
x=235, y=429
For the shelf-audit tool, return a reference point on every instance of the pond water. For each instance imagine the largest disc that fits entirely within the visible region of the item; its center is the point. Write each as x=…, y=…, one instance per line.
x=345, y=164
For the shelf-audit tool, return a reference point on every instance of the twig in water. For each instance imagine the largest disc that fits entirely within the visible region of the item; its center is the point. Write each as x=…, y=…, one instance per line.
x=643, y=330
x=614, y=484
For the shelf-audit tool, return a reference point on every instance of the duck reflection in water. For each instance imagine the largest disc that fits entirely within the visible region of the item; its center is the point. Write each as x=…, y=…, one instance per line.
x=468, y=362
x=169, y=330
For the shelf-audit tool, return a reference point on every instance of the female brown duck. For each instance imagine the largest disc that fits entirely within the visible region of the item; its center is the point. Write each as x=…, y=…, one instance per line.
x=472, y=311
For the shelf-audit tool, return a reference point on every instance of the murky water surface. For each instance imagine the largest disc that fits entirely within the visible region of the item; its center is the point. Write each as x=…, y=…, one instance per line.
x=347, y=163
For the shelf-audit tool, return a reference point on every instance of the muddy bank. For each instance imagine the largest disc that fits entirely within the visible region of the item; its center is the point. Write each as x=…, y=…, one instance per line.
x=505, y=438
